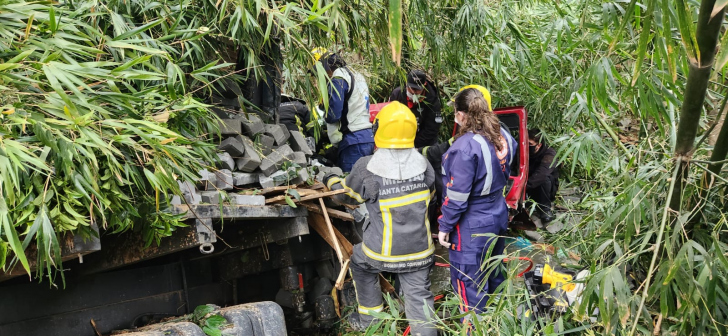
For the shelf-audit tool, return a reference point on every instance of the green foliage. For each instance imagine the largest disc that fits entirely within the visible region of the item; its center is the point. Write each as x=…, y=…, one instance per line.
x=211, y=324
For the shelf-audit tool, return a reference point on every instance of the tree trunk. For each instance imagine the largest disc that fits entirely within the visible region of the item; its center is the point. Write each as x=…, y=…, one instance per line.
x=707, y=34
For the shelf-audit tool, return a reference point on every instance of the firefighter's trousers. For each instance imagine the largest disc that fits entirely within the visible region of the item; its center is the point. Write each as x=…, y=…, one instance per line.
x=419, y=303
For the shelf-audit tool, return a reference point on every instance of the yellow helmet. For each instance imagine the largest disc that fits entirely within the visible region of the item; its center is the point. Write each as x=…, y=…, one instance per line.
x=318, y=52
x=395, y=127
x=482, y=90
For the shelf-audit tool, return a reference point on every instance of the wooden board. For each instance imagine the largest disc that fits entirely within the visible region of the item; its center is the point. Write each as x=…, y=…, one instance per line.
x=305, y=198
x=332, y=212
x=318, y=223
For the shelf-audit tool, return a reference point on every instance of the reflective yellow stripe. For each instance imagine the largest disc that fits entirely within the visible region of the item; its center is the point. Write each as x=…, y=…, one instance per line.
x=367, y=310
x=405, y=200
x=399, y=258
x=386, y=205
x=353, y=194
x=332, y=181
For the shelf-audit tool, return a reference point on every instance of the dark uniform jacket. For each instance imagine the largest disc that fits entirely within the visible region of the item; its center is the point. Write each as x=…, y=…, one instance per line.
x=542, y=167
x=295, y=115
x=428, y=114
x=398, y=236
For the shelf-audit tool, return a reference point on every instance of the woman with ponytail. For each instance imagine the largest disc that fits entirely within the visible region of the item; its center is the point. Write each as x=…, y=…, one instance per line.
x=474, y=213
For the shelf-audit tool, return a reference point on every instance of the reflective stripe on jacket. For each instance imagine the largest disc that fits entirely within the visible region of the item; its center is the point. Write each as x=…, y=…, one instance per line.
x=398, y=235
x=474, y=178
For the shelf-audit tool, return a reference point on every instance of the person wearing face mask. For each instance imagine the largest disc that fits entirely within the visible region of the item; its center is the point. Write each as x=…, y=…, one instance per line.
x=423, y=99
x=474, y=212
x=543, y=175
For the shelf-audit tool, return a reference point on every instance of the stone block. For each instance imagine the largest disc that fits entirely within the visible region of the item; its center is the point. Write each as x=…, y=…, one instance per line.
x=278, y=132
x=207, y=180
x=250, y=160
x=225, y=161
x=243, y=179
x=225, y=179
x=252, y=124
x=175, y=200
x=275, y=160
x=302, y=176
x=232, y=145
x=275, y=179
x=311, y=142
x=267, y=143
x=210, y=197
x=299, y=144
x=299, y=158
x=230, y=126
x=189, y=192
x=238, y=199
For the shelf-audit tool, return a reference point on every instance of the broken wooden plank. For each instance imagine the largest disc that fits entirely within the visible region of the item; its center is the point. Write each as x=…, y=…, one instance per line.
x=238, y=211
x=306, y=198
x=342, y=275
x=332, y=212
x=318, y=223
x=330, y=227
x=267, y=191
x=301, y=192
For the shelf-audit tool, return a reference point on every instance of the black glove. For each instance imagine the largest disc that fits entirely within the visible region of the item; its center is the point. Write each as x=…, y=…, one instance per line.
x=328, y=177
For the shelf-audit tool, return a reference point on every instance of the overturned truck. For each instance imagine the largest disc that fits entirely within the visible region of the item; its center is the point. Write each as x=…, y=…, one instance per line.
x=249, y=244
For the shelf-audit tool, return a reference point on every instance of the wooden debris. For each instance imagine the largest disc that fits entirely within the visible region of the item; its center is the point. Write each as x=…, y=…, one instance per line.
x=342, y=275
x=330, y=227
x=332, y=212
x=267, y=191
x=305, y=198
x=318, y=223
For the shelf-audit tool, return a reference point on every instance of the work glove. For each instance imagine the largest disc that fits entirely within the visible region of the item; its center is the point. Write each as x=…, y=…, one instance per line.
x=328, y=177
x=443, y=237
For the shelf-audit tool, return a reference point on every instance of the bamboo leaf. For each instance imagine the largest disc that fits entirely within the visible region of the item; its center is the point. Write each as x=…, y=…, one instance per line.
x=645, y=37
x=138, y=30
x=395, y=30
x=719, y=5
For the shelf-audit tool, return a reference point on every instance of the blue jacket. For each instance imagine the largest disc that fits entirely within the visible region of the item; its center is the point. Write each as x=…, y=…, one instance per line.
x=474, y=177
x=338, y=110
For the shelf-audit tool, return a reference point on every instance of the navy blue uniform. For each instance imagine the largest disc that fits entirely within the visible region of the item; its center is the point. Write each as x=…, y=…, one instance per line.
x=474, y=176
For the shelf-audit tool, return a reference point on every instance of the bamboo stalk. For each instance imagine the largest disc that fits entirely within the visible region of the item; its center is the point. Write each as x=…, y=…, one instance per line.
x=656, y=247
x=707, y=34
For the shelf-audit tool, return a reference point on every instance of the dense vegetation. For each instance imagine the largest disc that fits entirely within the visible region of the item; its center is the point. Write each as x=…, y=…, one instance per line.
x=102, y=102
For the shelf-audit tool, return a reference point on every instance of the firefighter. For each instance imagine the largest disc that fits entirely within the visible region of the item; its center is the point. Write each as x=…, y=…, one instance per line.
x=347, y=118
x=543, y=175
x=434, y=156
x=423, y=99
x=396, y=184
x=475, y=171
